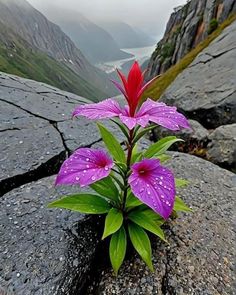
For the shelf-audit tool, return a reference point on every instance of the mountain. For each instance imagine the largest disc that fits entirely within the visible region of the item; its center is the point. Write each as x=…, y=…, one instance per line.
x=94, y=42
x=20, y=58
x=36, y=35
x=126, y=36
x=187, y=27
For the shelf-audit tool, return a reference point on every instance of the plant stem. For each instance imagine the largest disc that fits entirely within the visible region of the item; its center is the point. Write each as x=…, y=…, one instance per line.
x=128, y=162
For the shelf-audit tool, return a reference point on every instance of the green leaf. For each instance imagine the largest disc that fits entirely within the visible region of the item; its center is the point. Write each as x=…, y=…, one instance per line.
x=161, y=146
x=143, y=132
x=181, y=206
x=153, y=216
x=122, y=128
x=141, y=243
x=146, y=222
x=163, y=158
x=132, y=201
x=84, y=203
x=113, y=222
x=106, y=188
x=117, y=249
x=181, y=182
x=112, y=144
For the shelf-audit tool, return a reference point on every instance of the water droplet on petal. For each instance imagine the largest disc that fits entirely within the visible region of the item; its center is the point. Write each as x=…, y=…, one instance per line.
x=93, y=178
x=77, y=178
x=106, y=168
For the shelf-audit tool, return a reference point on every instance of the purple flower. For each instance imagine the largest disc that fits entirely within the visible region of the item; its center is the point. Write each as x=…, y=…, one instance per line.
x=153, y=185
x=84, y=167
x=150, y=110
x=107, y=108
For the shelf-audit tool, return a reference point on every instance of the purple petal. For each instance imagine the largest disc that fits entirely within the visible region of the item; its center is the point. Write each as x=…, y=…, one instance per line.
x=107, y=108
x=153, y=185
x=84, y=167
x=162, y=114
x=130, y=122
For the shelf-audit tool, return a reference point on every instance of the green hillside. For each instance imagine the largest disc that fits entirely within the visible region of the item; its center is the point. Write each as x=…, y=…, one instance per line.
x=19, y=58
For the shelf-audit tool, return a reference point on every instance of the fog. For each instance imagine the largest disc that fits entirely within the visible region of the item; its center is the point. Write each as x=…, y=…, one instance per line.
x=149, y=15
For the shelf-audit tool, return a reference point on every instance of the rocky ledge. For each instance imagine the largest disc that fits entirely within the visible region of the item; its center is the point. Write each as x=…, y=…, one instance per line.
x=45, y=251
x=200, y=257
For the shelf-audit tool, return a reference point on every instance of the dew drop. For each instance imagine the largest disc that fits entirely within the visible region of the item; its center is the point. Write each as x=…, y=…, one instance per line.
x=77, y=178
x=87, y=159
x=148, y=192
x=106, y=168
x=85, y=171
x=93, y=178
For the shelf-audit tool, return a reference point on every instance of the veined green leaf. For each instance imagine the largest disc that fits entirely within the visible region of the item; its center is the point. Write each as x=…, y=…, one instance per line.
x=84, y=203
x=122, y=128
x=112, y=144
x=181, y=206
x=181, y=182
x=146, y=222
x=141, y=243
x=132, y=201
x=163, y=158
x=152, y=215
x=143, y=132
x=160, y=147
x=113, y=222
x=117, y=249
x=106, y=187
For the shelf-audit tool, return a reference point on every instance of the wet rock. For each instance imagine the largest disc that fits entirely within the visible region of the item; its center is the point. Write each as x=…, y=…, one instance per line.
x=200, y=257
x=187, y=26
x=197, y=133
x=206, y=90
x=44, y=251
x=28, y=145
x=222, y=148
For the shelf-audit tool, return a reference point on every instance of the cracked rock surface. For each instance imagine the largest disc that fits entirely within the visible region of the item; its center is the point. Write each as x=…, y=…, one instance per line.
x=37, y=130
x=201, y=256
x=43, y=251
x=206, y=90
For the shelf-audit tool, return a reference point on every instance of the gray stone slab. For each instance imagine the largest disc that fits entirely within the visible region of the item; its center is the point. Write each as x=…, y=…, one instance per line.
x=43, y=251
x=200, y=259
x=206, y=90
x=222, y=146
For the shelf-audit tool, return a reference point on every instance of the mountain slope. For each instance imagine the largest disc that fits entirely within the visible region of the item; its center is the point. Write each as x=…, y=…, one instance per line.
x=32, y=26
x=126, y=36
x=187, y=27
x=94, y=42
x=20, y=58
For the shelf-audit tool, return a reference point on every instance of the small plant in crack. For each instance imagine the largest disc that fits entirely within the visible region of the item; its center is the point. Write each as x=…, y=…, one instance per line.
x=132, y=187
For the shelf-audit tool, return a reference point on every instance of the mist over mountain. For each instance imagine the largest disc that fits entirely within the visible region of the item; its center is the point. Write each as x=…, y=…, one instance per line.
x=95, y=43
x=126, y=36
x=28, y=38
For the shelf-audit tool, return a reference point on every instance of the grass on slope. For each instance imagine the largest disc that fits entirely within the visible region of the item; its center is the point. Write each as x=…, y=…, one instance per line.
x=19, y=58
x=159, y=86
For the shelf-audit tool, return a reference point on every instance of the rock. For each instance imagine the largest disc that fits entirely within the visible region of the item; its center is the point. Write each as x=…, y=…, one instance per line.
x=206, y=90
x=201, y=254
x=44, y=251
x=222, y=148
x=187, y=26
x=197, y=135
x=29, y=146
x=37, y=130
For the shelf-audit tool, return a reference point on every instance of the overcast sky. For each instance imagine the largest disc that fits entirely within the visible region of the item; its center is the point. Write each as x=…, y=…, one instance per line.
x=151, y=15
